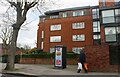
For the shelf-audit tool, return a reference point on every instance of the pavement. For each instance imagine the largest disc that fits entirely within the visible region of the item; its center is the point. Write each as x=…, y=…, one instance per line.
x=38, y=69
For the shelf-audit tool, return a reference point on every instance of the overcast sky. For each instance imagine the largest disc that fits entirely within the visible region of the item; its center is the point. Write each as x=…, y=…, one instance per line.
x=28, y=36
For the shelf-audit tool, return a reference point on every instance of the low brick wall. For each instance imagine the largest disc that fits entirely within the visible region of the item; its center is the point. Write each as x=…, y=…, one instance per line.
x=36, y=61
x=97, y=58
x=45, y=61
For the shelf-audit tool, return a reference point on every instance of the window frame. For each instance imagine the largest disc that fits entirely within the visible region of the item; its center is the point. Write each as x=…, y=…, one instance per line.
x=79, y=25
x=52, y=27
x=95, y=13
x=56, y=39
x=108, y=16
x=109, y=34
x=77, y=48
x=79, y=13
x=52, y=50
x=96, y=37
x=96, y=26
x=82, y=36
x=64, y=14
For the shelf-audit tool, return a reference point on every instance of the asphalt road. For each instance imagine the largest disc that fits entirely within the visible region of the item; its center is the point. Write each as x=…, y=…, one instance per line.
x=21, y=75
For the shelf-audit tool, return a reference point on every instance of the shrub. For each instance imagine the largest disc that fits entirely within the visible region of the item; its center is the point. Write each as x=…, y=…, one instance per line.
x=42, y=55
x=48, y=55
x=4, y=58
x=71, y=55
x=35, y=51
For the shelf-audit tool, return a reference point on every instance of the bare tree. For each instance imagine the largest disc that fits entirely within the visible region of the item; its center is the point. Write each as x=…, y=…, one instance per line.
x=21, y=8
x=5, y=35
x=26, y=47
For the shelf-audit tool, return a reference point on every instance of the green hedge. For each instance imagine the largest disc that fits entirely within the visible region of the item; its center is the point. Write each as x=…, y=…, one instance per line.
x=48, y=55
x=71, y=55
x=42, y=55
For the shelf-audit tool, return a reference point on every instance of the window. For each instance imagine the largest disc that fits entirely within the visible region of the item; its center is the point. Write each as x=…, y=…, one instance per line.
x=108, y=19
x=52, y=50
x=96, y=36
x=42, y=44
x=117, y=11
x=117, y=15
x=118, y=34
x=42, y=19
x=103, y=2
x=78, y=25
x=64, y=14
x=96, y=26
x=55, y=39
x=117, y=19
x=108, y=16
x=79, y=37
x=95, y=13
x=55, y=27
x=107, y=13
x=78, y=13
x=77, y=49
x=42, y=34
x=118, y=29
x=110, y=34
x=54, y=16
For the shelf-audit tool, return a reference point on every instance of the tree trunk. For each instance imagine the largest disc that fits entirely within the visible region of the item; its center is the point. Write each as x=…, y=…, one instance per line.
x=11, y=52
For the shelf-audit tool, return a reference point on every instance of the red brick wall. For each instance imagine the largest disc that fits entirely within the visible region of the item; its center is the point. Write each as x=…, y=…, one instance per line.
x=45, y=61
x=39, y=35
x=66, y=32
x=108, y=3
x=98, y=58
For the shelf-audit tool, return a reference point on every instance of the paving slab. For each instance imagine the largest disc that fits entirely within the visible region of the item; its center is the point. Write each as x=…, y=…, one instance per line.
x=49, y=70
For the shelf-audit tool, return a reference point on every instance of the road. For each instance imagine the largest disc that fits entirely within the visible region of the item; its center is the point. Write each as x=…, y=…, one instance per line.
x=20, y=75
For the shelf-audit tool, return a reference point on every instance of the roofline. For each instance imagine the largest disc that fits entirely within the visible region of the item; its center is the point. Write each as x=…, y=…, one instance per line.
x=108, y=8
x=67, y=9
x=42, y=16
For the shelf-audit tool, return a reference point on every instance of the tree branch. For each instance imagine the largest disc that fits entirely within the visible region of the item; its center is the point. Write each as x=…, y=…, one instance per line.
x=12, y=3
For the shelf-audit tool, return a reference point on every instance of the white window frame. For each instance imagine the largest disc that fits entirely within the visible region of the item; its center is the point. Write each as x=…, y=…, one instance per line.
x=55, y=38
x=80, y=25
x=80, y=37
x=55, y=27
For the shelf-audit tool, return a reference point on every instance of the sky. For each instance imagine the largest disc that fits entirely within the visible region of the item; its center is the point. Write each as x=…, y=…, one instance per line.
x=28, y=34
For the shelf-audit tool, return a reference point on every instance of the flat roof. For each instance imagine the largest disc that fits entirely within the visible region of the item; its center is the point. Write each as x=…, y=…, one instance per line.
x=67, y=9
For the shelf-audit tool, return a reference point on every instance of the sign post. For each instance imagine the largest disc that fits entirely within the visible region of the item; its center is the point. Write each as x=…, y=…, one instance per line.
x=60, y=57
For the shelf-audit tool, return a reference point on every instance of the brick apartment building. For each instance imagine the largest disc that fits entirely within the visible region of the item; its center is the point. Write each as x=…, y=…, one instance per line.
x=79, y=27
x=95, y=28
